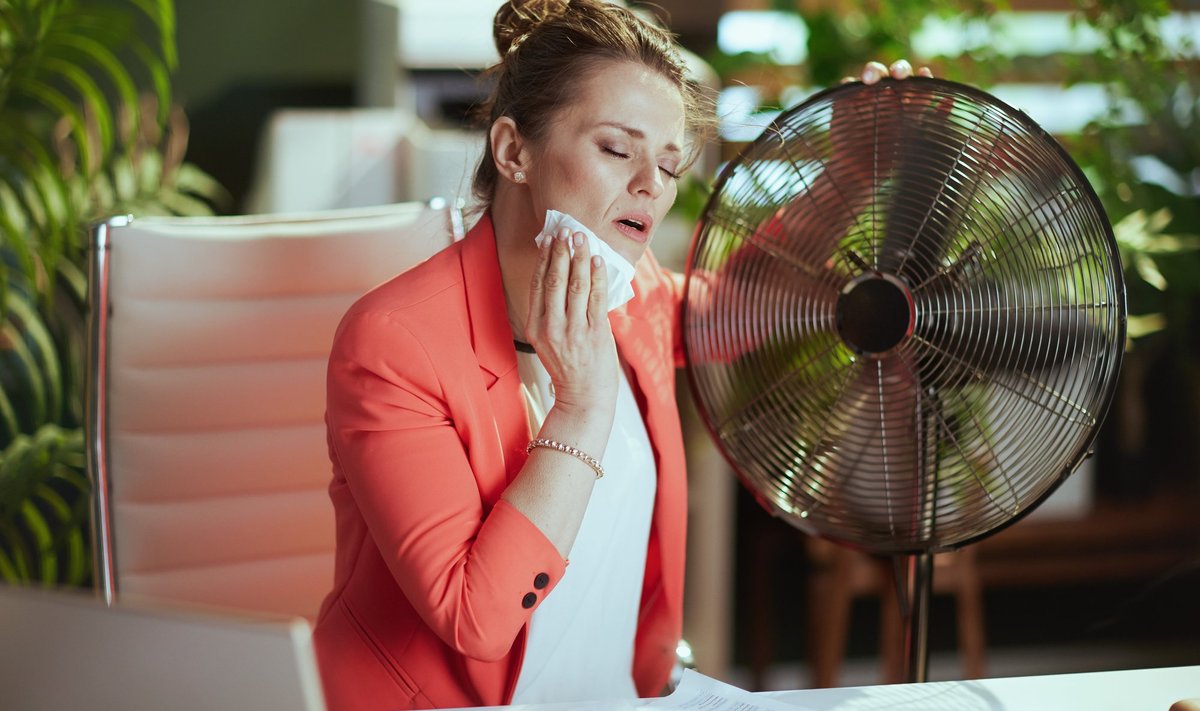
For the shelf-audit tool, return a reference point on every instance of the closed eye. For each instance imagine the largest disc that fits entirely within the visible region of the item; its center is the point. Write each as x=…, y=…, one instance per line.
x=618, y=154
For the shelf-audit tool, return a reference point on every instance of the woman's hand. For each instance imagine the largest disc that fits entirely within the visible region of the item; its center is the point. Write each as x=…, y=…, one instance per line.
x=568, y=324
x=872, y=72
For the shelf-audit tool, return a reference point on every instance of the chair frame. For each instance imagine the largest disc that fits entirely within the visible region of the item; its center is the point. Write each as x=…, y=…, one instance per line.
x=103, y=554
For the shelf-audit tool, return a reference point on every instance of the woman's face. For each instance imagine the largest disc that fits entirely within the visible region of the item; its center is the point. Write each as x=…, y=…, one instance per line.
x=610, y=158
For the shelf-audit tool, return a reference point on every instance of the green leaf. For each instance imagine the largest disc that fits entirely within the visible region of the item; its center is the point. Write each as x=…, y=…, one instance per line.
x=36, y=524
x=57, y=102
x=95, y=104
x=78, y=558
x=150, y=175
x=51, y=498
x=124, y=179
x=10, y=427
x=23, y=375
x=160, y=75
x=14, y=544
x=8, y=569
x=103, y=57
x=46, y=356
x=162, y=14
x=1148, y=271
x=13, y=226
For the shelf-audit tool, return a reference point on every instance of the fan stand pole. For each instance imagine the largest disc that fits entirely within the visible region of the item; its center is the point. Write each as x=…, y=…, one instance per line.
x=914, y=604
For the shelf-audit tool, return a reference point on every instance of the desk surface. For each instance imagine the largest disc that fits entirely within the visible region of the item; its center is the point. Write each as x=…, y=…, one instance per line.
x=1134, y=690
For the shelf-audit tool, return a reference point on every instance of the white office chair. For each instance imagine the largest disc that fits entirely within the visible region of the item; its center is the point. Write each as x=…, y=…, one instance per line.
x=208, y=339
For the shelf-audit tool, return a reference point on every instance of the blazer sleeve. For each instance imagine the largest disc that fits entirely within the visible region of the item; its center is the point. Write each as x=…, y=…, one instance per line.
x=474, y=573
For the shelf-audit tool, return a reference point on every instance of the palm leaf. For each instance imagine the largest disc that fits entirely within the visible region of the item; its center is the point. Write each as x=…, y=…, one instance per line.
x=160, y=76
x=95, y=105
x=10, y=427
x=162, y=14
x=22, y=376
x=82, y=47
x=56, y=102
x=16, y=557
x=34, y=330
x=43, y=508
x=78, y=142
x=43, y=541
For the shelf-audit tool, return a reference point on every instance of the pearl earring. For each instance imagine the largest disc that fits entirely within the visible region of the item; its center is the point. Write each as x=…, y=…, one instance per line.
x=519, y=176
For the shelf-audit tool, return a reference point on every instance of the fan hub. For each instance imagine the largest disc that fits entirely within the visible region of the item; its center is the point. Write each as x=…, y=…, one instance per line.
x=875, y=314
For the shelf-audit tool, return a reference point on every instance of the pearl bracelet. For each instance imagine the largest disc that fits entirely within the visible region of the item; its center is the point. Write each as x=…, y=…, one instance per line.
x=567, y=449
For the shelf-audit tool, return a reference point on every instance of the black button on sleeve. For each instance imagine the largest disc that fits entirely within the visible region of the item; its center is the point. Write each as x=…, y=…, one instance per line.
x=541, y=581
x=529, y=600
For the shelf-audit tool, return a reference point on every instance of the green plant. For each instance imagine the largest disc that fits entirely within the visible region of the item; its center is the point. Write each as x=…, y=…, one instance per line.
x=79, y=140
x=43, y=508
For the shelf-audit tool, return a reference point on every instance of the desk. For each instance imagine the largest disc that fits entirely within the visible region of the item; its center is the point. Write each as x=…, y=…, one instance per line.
x=1135, y=690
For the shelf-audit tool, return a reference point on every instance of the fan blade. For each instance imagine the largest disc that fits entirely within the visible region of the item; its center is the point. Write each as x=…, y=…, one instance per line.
x=753, y=411
x=868, y=455
x=806, y=194
x=835, y=206
x=928, y=190
x=756, y=300
x=989, y=327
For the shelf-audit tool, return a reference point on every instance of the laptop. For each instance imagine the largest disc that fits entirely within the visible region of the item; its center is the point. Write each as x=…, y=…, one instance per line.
x=66, y=650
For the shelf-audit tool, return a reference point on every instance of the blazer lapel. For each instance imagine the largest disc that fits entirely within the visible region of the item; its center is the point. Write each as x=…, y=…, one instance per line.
x=492, y=340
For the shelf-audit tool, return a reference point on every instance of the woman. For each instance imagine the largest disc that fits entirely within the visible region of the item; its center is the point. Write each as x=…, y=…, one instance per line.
x=475, y=401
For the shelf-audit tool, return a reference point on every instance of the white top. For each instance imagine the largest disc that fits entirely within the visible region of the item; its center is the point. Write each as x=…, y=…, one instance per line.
x=580, y=639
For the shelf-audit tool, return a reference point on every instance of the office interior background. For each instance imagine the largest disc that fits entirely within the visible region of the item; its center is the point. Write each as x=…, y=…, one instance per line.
x=303, y=105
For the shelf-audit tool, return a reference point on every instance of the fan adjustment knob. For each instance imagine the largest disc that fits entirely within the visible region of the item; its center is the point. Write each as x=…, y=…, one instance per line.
x=875, y=313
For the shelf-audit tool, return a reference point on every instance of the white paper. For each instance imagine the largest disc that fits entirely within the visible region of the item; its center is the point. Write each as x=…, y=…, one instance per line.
x=617, y=268
x=702, y=693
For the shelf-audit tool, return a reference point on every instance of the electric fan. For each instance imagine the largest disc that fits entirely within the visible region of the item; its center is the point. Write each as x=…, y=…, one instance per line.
x=904, y=321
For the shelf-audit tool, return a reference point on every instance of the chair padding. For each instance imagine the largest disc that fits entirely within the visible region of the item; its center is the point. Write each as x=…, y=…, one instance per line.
x=218, y=334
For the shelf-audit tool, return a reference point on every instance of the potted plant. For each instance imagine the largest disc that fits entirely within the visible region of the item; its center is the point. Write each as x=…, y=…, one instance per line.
x=80, y=139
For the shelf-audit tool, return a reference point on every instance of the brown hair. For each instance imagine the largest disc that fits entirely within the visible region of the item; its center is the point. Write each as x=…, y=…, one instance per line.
x=546, y=44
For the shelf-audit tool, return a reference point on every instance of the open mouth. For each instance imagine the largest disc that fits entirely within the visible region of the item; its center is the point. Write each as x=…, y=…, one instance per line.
x=635, y=224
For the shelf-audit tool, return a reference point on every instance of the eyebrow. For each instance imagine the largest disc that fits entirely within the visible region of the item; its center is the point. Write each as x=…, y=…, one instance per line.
x=637, y=133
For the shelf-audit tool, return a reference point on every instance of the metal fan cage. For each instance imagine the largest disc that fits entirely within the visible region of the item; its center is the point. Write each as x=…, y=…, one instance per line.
x=903, y=327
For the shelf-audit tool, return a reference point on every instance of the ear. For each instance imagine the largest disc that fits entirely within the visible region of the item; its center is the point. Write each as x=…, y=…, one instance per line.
x=510, y=151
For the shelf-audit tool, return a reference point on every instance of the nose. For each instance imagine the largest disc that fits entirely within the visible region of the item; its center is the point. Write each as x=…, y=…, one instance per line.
x=647, y=179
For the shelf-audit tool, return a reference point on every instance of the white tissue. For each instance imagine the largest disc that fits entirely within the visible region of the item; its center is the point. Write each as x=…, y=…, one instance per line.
x=617, y=268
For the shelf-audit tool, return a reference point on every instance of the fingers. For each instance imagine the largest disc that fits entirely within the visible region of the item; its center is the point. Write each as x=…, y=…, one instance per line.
x=579, y=287
x=873, y=72
x=564, y=293
x=553, y=280
x=537, y=284
x=597, y=308
x=900, y=69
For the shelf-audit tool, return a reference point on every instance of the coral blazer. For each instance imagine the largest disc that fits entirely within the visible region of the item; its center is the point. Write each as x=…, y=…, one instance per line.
x=436, y=577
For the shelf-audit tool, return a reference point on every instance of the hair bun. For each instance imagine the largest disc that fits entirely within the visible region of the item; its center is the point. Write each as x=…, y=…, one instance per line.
x=517, y=18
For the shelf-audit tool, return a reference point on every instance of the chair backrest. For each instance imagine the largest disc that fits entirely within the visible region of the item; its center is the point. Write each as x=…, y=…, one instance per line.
x=208, y=340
